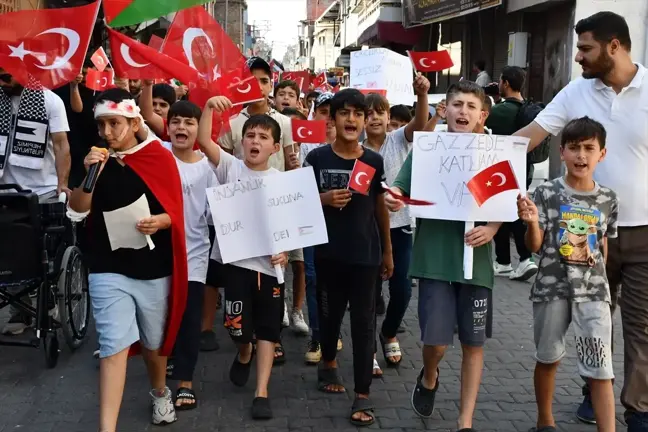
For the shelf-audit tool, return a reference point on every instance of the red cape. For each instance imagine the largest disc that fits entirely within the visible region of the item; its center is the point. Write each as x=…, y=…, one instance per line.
x=157, y=167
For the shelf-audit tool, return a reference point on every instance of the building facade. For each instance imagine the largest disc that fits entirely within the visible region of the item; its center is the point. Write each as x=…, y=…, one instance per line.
x=232, y=16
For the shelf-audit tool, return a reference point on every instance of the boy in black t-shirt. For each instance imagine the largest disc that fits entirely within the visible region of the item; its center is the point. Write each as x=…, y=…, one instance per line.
x=359, y=243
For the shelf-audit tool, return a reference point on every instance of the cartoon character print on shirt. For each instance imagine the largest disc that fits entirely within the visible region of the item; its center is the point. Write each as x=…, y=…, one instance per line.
x=578, y=235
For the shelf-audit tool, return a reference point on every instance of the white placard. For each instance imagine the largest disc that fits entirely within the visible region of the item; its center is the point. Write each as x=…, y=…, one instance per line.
x=442, y=164
x=121, y=226
x=262, y=216
x=380, y=68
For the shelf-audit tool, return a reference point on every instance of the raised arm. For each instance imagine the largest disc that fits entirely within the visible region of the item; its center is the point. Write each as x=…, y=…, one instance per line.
x=154, y=121
x=421, y=88
x=75, y=97
x=209, y=147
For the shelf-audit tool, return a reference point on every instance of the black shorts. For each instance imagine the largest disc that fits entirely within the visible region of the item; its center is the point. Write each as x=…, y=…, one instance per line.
x=216, y=272
x=254, y=305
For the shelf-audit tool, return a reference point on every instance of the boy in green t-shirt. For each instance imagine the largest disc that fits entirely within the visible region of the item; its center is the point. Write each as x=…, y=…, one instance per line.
x=446, y=299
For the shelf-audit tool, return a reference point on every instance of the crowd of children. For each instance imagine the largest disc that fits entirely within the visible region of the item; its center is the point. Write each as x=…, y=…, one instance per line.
x=162, y=297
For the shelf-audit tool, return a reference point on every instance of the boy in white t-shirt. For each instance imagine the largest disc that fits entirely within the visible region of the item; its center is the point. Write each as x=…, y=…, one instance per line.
x=196, y=175
x=254, y=299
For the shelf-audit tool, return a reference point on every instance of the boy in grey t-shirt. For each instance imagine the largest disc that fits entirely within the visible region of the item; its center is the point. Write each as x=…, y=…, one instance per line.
x=568, y=223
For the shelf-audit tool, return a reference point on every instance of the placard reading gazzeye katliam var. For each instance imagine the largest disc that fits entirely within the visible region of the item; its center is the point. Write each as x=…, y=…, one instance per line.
x=444, y=163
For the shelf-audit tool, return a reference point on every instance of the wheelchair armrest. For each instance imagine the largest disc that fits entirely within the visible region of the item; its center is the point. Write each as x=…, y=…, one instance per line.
x=55, y=230
x=13, y=186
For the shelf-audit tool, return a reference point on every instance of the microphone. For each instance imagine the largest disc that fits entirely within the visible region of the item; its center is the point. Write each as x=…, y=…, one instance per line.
x=93, y=171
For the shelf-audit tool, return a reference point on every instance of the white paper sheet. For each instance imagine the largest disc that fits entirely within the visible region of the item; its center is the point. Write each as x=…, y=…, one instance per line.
x=121, y=225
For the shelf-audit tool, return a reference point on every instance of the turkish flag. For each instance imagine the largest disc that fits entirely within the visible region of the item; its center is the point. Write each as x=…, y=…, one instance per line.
x=432, y=61
x=99, y=80
x=319, y=80
x=361, y=176
x=46, y=44
x=240, y=91
x=491, y=181
x=156, y=42
x=309, y=131
x=100, y=59
x=196, y=39
x=377, y=91
x=275, y=77
x=134, y=60
x=302, y=78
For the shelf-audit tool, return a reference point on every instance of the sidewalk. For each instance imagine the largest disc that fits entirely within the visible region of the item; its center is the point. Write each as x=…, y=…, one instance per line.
x=35, y=399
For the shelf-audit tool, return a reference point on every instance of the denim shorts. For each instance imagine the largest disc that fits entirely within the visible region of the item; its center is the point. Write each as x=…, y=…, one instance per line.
x=128, y=310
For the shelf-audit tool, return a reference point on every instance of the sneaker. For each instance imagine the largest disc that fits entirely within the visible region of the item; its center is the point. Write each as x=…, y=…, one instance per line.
x=502, y=270
x=286, y=322
x=423, y=398
x=298, y=323
x=208, y=341
x=314, y=353
x=524, y=271
x=585, y=412
x=163, y=409
x=17, y=325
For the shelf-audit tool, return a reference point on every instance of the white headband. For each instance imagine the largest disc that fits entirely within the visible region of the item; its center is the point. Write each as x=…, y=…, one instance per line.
x=126, y=108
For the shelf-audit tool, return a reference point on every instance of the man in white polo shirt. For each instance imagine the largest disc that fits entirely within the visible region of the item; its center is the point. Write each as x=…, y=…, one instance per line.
x=614, y=91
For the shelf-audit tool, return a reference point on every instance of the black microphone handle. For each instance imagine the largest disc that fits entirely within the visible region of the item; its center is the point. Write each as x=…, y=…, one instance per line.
x=91, y=178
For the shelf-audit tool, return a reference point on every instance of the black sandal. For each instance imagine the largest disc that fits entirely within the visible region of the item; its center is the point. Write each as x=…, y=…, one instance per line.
x=329, y=377
x=364, y=406
x=261, y=409
x=187, y=394
x=281, y=357
x=240, y=372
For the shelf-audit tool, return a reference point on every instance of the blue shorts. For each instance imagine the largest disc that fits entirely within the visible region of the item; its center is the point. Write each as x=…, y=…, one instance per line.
x=128, y=310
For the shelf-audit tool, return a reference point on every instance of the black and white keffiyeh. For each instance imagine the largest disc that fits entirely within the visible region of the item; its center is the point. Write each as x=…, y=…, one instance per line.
x=24, y=135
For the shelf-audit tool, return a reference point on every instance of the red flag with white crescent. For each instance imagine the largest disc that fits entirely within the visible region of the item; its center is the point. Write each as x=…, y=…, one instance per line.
x=47, y=44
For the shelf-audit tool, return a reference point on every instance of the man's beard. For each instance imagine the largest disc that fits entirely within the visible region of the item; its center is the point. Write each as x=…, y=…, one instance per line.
x=14, y=90
x=600, y=68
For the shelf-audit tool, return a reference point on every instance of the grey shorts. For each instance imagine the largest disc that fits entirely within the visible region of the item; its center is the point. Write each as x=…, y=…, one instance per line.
x=592, y=331
x=296, y=256
x=442, y=305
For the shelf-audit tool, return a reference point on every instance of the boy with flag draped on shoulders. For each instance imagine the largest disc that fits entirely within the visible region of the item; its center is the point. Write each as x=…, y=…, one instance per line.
x=138, y=292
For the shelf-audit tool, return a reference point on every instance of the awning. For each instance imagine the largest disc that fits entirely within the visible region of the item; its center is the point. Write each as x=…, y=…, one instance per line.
x=391, y=31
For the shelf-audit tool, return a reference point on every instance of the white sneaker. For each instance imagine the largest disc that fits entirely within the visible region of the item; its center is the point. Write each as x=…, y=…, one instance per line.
x=524, y=271
x=163, y=409
x=286, y=322
x=298, y=323
x=502, y=270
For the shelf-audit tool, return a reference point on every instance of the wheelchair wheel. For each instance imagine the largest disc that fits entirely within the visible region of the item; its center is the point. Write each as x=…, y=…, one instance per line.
x=74, y=301
x=51, y=348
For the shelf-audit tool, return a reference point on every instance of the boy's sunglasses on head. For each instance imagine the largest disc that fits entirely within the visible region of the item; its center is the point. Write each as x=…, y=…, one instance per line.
x=6, y=77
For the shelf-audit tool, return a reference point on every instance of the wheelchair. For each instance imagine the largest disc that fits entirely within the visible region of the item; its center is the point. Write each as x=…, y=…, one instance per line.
x=39, y=257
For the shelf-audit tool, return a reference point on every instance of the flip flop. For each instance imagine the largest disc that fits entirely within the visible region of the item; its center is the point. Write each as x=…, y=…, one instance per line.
x=187, y=394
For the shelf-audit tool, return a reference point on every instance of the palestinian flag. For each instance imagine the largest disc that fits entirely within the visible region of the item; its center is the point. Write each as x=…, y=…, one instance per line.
x=120, y=13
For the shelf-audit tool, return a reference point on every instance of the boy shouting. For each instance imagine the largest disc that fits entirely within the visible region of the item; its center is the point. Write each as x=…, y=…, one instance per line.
x=447, y=299
x=254, y=298
x=568, y=223
x=359, y=243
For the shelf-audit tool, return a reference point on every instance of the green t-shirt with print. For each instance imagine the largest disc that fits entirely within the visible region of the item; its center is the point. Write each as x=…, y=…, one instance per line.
x=439, y=244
